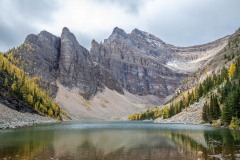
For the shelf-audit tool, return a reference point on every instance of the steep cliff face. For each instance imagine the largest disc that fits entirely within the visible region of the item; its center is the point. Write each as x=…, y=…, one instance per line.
x=42, y=58
x=136, y=71
x=75, y=67
x=63, y=59
x=143, y=64
x=39, y=57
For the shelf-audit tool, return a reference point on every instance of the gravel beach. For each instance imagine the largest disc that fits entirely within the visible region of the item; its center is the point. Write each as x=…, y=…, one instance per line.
x=10, y=118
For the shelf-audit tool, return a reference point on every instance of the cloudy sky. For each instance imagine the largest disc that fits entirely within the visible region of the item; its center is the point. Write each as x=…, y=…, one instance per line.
x=178, y=22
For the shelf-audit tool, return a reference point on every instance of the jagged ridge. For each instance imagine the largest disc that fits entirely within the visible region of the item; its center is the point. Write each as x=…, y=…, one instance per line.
x=138, y=62
x=63, y=59
x=144, y=64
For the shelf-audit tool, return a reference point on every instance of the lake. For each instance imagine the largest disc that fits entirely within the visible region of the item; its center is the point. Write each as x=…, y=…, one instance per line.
x=118, y=140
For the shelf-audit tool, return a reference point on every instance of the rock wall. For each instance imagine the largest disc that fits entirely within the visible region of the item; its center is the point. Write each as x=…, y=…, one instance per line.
x=145, y=65
x=135, y=70
x=63, y=59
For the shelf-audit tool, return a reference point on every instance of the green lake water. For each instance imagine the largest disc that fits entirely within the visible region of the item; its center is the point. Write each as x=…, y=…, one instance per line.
x=118, y=140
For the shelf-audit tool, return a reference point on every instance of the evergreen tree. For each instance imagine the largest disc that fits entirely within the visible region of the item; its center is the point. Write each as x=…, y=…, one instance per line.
x=181, y=106
x=210, y=109
x=205, y=112
x=190, y=100
x=200, y=90
x=228, y=111
x=171, y=110
x=215, y=108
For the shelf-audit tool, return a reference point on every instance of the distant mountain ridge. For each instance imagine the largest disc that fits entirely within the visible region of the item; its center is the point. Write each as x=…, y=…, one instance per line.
x=137, y=64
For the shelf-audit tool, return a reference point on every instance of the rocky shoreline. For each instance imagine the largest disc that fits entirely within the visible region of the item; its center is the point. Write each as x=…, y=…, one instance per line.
x=190, y=115
x=10, y=118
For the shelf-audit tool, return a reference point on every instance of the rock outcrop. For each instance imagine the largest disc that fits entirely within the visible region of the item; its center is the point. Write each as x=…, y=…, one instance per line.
x=40, y=54
x=75, y=66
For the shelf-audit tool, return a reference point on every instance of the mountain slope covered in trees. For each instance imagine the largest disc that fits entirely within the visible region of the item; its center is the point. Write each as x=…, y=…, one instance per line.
x=220, y=89
x=23, y=93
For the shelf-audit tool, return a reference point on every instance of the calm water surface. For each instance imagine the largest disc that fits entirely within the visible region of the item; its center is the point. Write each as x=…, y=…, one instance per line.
x=118, y=141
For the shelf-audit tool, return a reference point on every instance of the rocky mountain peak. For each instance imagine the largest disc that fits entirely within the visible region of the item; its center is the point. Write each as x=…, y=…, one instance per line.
x=70, y=45
x=31, y=38
x=68, y=36
x=138, y=32
x=149, y=38
x=118, y=33
x=65, y=29
x=44, y=38
x=94, y=42
x=45, y=33
x=72, y=57
x=118, y=30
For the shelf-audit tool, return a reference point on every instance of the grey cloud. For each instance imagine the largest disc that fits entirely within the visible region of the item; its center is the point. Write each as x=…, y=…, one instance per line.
x=12, y=36
x=39, y=9
x=184, y=23
x=198, y=22
x=85, y=39
x=17, y=17
x=130, y=6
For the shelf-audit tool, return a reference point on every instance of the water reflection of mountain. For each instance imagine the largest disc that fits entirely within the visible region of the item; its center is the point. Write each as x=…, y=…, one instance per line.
x=114, y=144
x=131, y=144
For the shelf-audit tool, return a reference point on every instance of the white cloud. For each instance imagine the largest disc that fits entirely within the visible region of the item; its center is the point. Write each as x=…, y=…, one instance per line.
x=184, y=22
x=89, y=18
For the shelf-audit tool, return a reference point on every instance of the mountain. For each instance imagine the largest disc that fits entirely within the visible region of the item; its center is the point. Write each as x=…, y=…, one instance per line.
x=62, y=59
x=208, y=95
x=127, y=73
x=66, y=70
x=145, y=65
